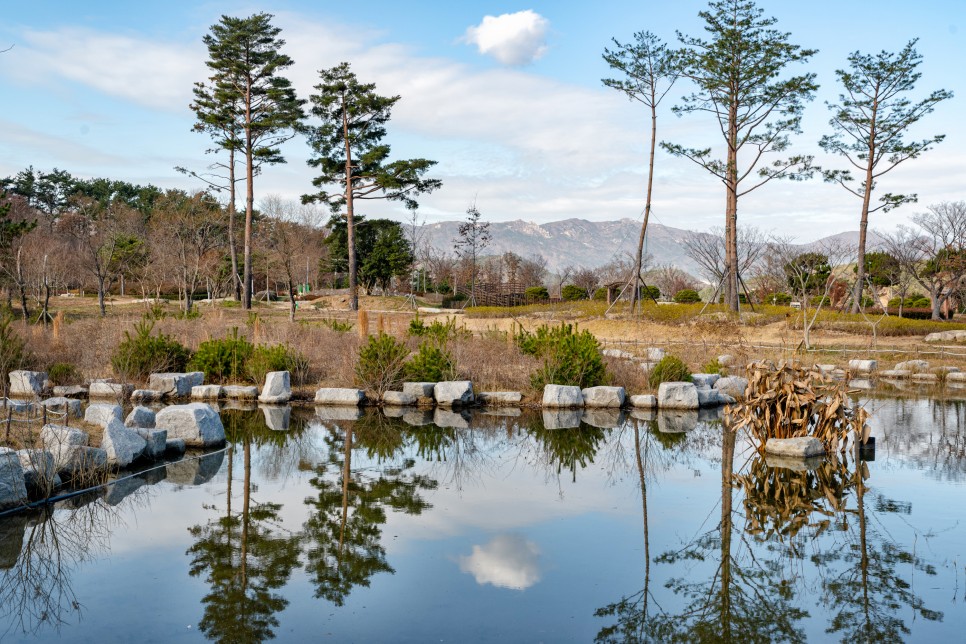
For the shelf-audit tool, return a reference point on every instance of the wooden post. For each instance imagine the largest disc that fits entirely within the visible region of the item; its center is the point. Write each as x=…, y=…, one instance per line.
x=363, y=324
x=380, y=324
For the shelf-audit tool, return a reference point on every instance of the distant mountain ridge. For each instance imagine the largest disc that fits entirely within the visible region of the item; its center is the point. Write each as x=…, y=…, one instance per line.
x=579, y=242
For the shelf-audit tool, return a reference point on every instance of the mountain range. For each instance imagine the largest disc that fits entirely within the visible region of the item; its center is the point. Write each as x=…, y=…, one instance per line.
x=578, y=242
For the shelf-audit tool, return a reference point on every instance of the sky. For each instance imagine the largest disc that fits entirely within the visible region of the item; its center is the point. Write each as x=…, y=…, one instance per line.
x=506, y=97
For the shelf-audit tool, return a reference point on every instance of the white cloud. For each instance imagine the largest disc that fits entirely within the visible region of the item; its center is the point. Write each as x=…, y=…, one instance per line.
x=507, y=561
x=512, y=38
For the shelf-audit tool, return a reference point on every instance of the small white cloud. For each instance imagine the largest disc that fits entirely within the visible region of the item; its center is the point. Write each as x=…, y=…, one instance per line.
x=507, y=561
x=512, y=38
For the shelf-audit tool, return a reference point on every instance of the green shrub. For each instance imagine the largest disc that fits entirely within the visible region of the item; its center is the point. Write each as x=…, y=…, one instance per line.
x=156, y=312
x=715, y=367
x=142, y=354
x=669, y=369
x=381, y=363
x=572, y=293
x=338, y=325
x=569, y=358
x=914, y=302
x=779, y=299
x=223, y=359
x=193, y=314
x=687, y=296
x=600, y=294
x=650, y=293
x=276, y=357
x=537, y=293
x=818, y=300
x=431, y=363
x=440, y=331
x=64, y=373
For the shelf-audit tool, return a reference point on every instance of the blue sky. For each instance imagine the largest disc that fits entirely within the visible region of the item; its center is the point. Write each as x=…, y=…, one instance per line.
x=506, y=96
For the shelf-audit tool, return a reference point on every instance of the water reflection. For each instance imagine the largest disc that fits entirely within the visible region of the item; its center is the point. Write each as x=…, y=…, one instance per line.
x=506, y=561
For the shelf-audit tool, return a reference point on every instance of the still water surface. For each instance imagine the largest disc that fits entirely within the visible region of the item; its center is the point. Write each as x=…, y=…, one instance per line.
x=505, y=528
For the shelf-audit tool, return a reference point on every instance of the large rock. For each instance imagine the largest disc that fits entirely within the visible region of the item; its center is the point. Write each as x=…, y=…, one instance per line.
x=422, y=391
x=499, y=398
x=277, y=389
x=726, y=360
x=122, y=444
x=206, y=392
x=863, y=366
x=617, y=353
x=240, y=392
x=102, y=413
x=802, y=447
x=610, y=397
x=956, y=376
x=398, y=399
x=39, y=471
x=561, y=418
x=946, y=336
x=339, y=396
x=27, y=383
x=454, y=393
x=713, y=398
x=562, y=397
x=704, y=380
x=913, y=366
x=734, y=386
x=175, y=385
x=643, y=401
x=83, y=462
x=677, y=395
x=897, y=374
x=62, y=442
x=140, y=417
x=146, y=396
x=70, y=391
x=654, y=354
x=62, y=405
x=114, y=390
x=196, y=423
x=13, y=489
x=174, y=447
x=156, y=441
x=278, y=418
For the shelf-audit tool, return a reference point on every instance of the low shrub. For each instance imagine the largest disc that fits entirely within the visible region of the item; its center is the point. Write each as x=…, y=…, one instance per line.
x=537, y=293
x=338, y=325
x=820, y=300
x=193, y=314
x=713, y=366
x=141, y=354
x=381, y=364
x=223, y=359
x=600, y=294
x=276, y=357
x=64, y=373
x=913, y=302
x=432, y=363
x=779, y=299
x=439, y=331
x=669, y=369
x=572, y=293
x=569, y=358
x=687, y=296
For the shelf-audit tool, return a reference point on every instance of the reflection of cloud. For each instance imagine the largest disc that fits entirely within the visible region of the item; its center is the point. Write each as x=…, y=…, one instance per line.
x=512, y=38
x=507, y=561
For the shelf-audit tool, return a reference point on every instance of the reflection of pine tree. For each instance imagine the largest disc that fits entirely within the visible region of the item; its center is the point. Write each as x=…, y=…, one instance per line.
x=244, y=558
x=344, y=529
x=569, y=449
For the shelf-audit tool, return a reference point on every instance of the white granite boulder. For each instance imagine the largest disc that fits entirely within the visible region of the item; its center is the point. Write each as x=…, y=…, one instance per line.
x=863, y=366
x=945, y=336
x=156, y=441
x=734, y=386
x=61, y=405
x=562, y=397
x=61, y=442
x=677, y=395
x=27, y=383
x=196, y=423
x=603, y=397
x=70, y=391
x=422, y=391
x=140, y=417
x=240, y=392
x=277, y=389
x=499, y=398
x=913, y=366
x=617, y=353
x=654, y=354
x=110, y=390
x=713, y=398
x=102, y=413
x=206, y=392
x=39, y=471
x=704, y=380
x=122, y=444
x=454, y=393
x=643, y=401
x=802, y=447
x=175, y=385
x=13, y=488
x=339, y=396
x=398, y=399
x=726, y=360
x=146, y=396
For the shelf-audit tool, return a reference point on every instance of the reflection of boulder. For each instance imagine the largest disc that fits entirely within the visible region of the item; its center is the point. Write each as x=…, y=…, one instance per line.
x=710, y=414
x=447, y=418
x=193, y=470
x=676, y=422
x=561, y=418
x=603, y=418
x=119, y=490
x=506, y=561
x=506, y=412
x=338, y=412
x=278, y=418
x=795, y=464
x=393, y=411
x=644, y=414
x=12, y=529
x=418, y=417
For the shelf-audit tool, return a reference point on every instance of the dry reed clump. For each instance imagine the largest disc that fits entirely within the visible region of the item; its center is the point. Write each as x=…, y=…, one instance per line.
x=493, y=364
x=787, y=401
x=627, y=374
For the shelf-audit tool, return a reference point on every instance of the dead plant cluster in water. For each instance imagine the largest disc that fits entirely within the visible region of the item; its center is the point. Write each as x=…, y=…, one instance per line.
x=787, y=401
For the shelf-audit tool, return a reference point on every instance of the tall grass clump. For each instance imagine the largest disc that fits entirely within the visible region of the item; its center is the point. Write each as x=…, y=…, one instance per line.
x=276, y=357
x=569, y=357
x=141, y=354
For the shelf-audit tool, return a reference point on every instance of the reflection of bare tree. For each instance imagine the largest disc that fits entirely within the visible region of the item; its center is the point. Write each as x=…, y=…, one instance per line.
x=36, y=591
x=929, y=435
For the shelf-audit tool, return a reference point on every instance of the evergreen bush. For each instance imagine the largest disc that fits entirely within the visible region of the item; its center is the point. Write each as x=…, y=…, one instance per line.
x=669, y=369
x=223, y=359
x=381, y=364
x=141, y=354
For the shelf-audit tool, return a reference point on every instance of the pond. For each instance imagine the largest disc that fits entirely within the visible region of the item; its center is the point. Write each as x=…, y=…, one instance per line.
x=505, y=528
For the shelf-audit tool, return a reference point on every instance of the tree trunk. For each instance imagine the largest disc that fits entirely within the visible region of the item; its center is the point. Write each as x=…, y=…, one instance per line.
x=727, y=468
x=731, y=213
x=249, y=201
x=291, y=300
x=639, y=258
x=864, y=222
x=232, y=246
x=350, y=215
x=100, y=295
